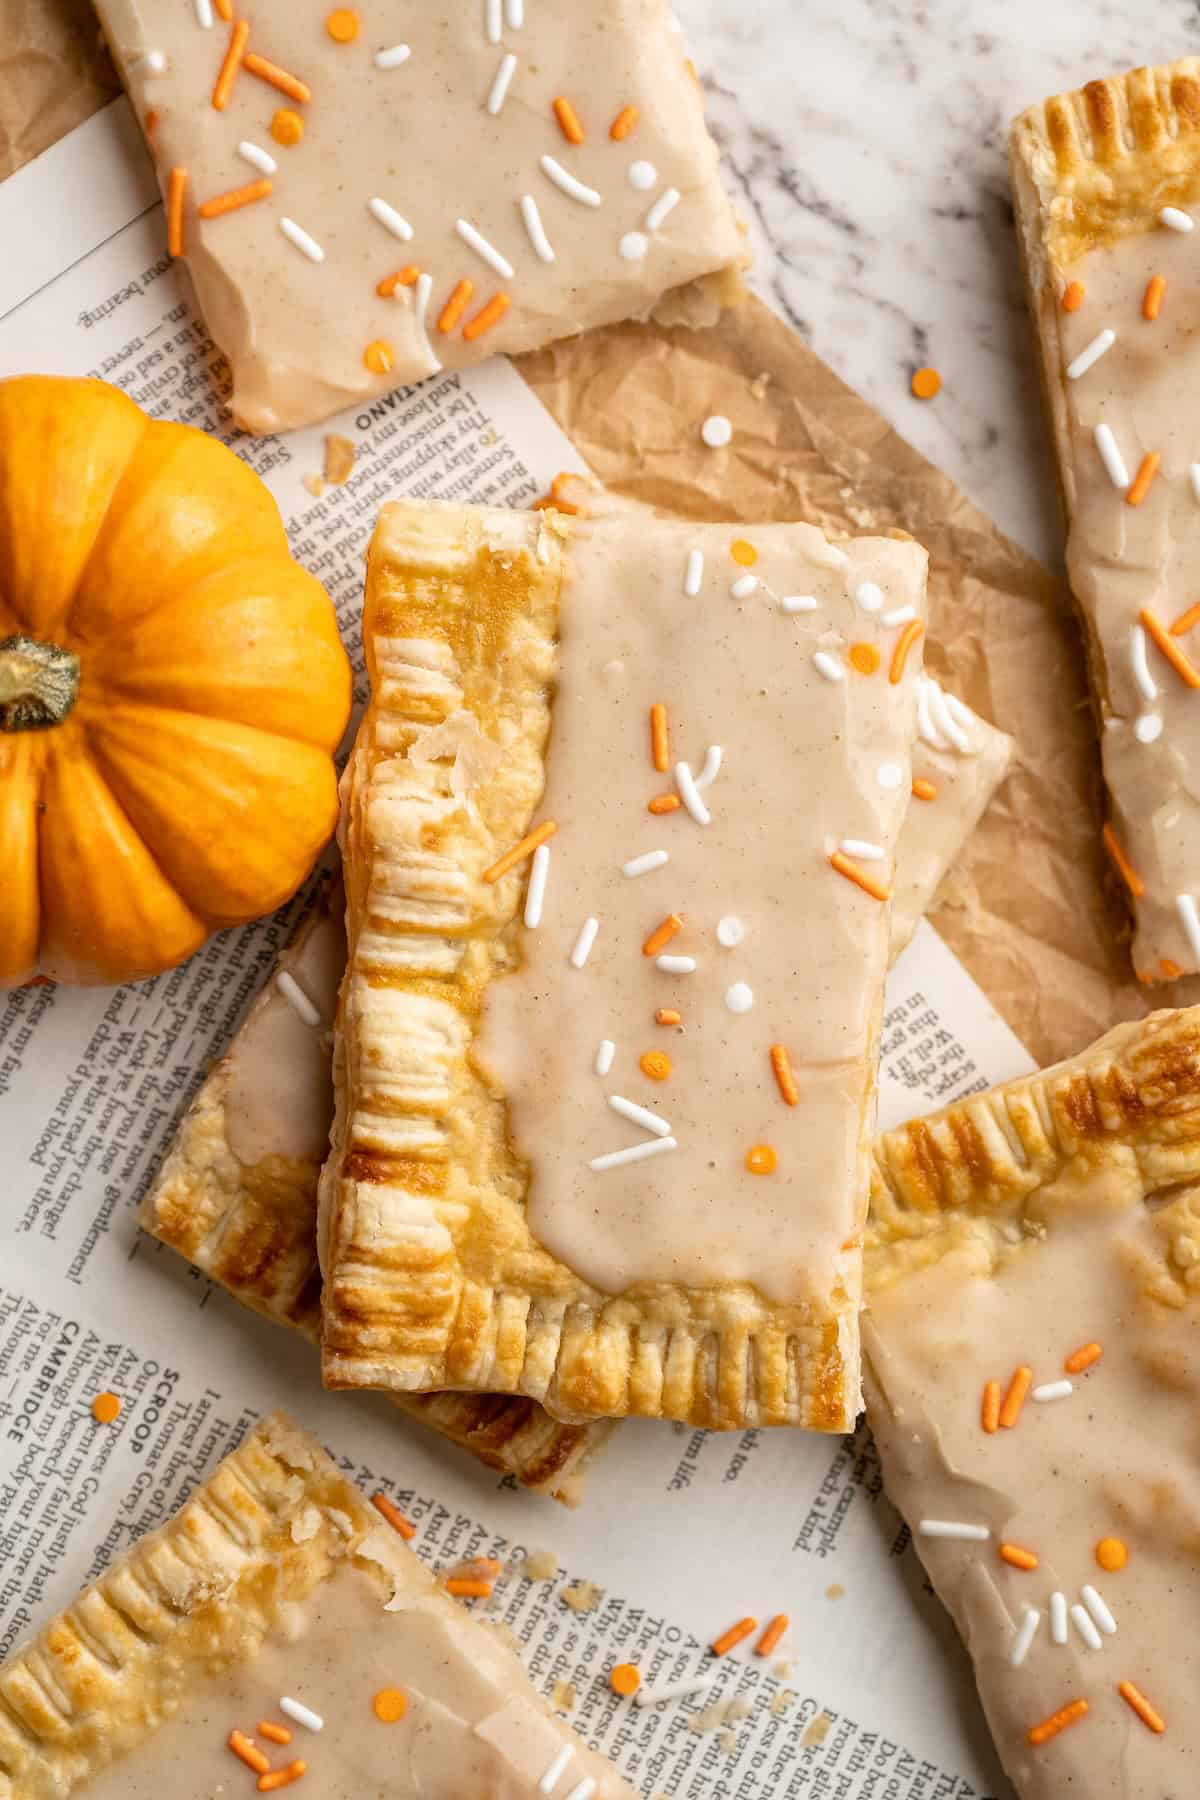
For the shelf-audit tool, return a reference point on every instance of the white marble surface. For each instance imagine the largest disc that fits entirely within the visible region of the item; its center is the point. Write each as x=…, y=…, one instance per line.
x=865, y=140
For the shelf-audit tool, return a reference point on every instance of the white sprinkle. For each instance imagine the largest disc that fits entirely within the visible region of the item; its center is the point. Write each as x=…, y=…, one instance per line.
x=682, y=1690
x=605, y=1052
x=554, y=1770
x=1148, y=728
x=296, y=998
x=941, y=718
x=421, y=307
x=730, y=931
x=1091, y=353
x=303, y=1715
x=676, y=965
x=498, y=92
x=634, y=245
x=488, y=252
x=583, y=1790
x=694, y=573
x=387, y=215
x=1147, y=686
x=1186, y=908
x=744, y=586
x=258, y=159
x=834, y=558
x=633, y=1153
x=562, y=179
x=710, y=768
x=1194, y=477
x=154, y=63
x=889, y=775
x=1110, y=456
x=828, y=666
x=535, y=229
x=1058, y=1618
x=739, y=997
x=869, y=595
x=514, y=11
x=798, y=603
x=393, y=58
x=689, y=793
x=900, y=615
x=1025, y=1636
x=296, y=234
x=1098, y=1607
x=535, y=893
x=716, y=431
x=204, y=14
x=639, y=1115
x=926, y=729
x=1053, y=1390
x=662, y=209
x=493, y=24
x=642, y=865
x=1176, y=220
x=954, y=1528
x=1081, y=1619
x=584, y=942
x=642, y=175
x=863, y=849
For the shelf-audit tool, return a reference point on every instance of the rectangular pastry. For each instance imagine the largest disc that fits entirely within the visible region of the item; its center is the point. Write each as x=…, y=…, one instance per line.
x=1032, y=1364
x=277, y=1633
x=363, y=200
x=607, y=1043
x=237, y=1196
x=1107, y=190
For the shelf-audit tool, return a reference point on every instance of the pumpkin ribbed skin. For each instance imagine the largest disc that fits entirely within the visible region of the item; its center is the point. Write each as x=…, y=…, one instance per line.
x=189, y=783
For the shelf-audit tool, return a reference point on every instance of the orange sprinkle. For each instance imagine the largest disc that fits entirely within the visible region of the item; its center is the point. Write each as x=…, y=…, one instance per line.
x=395, y=1518
x=1083, y=1358
x=989, y=1416
x=660, y=745
x=342, y=24
x=176, y=187
x=1018, y=1558
x=1141, y=1706
x=760, y=1160
x=249, y=1752
x=864, y=657
x=1186, y=620
x=655, y=1064
x=1050, y=1728
x=287, y=127
x=270, y=72
x=379, y=357
x=105, y=1408
x=743, y=552
x=404, y=277
x=624, y=123
x=274, y=1734
x=227, y=73
x=858, y=876
x=781, y=1062
x=666, y=1015
x=568, y=120
x=151, y=120
x=224, y=10
x=562, y=480
x=389, y=1704
x=734, y=1635
x=456, y=305
x=281, y=1778
x=519, y=852
x=1112, y=1553
x=772, y=1633
x=1122, y=864
x=1168, y=969
x=487, y=316
x=1156, y=287
x=625, y=1679
x=926, y=383
x=665, y=803
x=904, y=643
x=464, y=1588
x=1072, y=298
x=662, y=934
x=1014, y=1399
x=922, y=789
x=234, y=199
x=1139, y=487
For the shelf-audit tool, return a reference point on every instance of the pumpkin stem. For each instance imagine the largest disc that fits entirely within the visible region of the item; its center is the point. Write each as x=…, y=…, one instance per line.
x=38, y=683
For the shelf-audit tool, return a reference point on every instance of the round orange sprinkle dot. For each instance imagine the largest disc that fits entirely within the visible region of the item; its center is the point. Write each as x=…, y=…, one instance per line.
x=342, y=24
x=379, y=357
x=105, y=1408
x=1112, y=1554
x=287, y=127
x=624, y=1679
x=761, y=1159
x=743, y=552
x=389, y=1705
x=656, y=1064
x=926, y=383
x=864, y=658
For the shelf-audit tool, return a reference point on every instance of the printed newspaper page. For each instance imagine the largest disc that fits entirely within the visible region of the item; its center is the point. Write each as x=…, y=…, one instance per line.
x=680, y=1532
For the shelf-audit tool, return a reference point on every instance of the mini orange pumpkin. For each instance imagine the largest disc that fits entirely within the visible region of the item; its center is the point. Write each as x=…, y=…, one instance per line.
x=172, y=688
